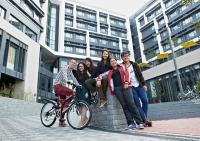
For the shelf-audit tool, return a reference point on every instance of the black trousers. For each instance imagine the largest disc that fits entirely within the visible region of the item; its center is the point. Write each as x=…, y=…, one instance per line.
x=126, y=100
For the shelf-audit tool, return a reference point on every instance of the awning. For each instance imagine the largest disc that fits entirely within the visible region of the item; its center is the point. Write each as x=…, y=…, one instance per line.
x=143, y=65
x=188, y=44
x=162, y=56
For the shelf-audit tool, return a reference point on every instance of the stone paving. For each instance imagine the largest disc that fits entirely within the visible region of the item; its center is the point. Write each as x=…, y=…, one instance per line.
x=30, y=129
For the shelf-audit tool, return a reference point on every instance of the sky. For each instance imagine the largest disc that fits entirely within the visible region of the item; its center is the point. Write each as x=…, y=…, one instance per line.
x=125, y=7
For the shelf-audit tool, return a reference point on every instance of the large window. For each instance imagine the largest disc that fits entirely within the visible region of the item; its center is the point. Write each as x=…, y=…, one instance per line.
x=68, y=49
x=15, y=22
x=104, y=30
x=31, y=34
x=68, y=10
x=141, y=21
x=103, y=19
x=11, y=57
x=2, y=12
x=68, y=35
x=68, y=22
x=14, y=55
x=94, y=40
x=80, y=51
x=80, y=37
x=92, y=28
x=80, y=25
x=52, y=27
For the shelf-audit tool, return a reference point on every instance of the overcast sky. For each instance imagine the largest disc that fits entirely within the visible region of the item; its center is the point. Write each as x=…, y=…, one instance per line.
x=125, y=7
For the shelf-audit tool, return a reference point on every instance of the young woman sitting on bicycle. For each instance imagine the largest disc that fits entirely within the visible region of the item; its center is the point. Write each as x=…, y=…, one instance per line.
x=60, y=86
x=81, y=92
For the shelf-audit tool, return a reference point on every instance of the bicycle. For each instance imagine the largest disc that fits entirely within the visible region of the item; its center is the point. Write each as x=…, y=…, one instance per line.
x=73, y=111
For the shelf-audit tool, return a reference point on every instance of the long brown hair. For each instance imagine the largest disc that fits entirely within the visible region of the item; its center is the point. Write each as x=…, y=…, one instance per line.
x=108, y=59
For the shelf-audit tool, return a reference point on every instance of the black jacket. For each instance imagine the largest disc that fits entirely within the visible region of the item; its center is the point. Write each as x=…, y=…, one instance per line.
x=101, y=67
x=138, y=73
x=92, y=71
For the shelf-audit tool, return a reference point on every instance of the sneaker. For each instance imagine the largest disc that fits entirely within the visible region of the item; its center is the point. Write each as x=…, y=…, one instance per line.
x=131, y=127
x=62, y=124
x=148, y=123
x=102, y=103
x=140, y=126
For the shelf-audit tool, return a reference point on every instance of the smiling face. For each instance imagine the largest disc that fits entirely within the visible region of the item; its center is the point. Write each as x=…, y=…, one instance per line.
x=72, y=64
x=113, y=62
x=81, y=67
x=105, y=55
x=126, y=58
x=87, y=63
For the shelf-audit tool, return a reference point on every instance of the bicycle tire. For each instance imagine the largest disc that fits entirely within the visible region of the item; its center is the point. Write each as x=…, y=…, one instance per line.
x=89, y=118
x=41, y=115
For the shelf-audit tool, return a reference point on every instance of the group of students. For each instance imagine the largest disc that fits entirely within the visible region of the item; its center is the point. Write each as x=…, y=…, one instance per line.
x=124, y=80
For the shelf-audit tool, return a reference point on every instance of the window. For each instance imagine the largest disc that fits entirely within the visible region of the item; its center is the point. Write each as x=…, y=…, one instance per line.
x=188, y=20
x=68, y=35
x=80, y=37
x=172, y=15
x=2, y=12
x=170, y=2
x=68, y=49
x=113, y=32
x=80, y=25
x=36, y=17
x=93, y=52
x=121, y=23
x=176, y=27
x=197, y=15
x=11, y=57
x=166, y=47
x=125, y=46
x=192, y=34
x=92, y=16
x=68, y=22
x=104, y=30
x=123, y=35
x=31, y=34
x=179, y=40
x=80, y=50
x=103, y=41
x=91, y=27
x=163, y=34
x=80, y=13
x=141, y=22
x=114, y=44
x=112, y=22
x=154, y=39
x=94, y=40
x=15, y=22
x=103, y=19
x=152, y=27
x=161, y=22
x=28, y=9
x=68, y=10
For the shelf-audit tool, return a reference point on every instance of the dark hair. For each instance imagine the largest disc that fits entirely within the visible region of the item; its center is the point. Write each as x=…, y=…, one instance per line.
x=108, y=59
x=124, y=53
x=91, y=62
x=115, y=59
x=84, y=71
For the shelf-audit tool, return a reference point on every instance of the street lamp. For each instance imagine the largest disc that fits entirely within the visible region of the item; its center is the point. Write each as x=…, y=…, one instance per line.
x=174, y=59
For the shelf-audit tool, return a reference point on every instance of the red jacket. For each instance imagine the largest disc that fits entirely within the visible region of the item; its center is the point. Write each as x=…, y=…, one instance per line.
x=124, y=77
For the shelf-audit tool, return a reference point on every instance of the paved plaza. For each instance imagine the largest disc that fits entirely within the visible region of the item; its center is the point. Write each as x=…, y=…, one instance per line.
x=29, y=128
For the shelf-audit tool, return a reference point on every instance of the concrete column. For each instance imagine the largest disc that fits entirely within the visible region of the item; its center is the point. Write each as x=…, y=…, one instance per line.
x=98, y=22
x=88, y=44
x=158, y=37
x=74, y=13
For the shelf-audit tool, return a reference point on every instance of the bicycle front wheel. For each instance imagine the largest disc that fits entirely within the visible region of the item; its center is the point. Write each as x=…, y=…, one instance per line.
x=48, y=114
x=79, y=115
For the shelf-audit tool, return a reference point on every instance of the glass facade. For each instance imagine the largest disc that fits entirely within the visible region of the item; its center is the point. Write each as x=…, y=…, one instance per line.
x=31, y=34
x=165, y=88
x=16, y=23
x=52, y=27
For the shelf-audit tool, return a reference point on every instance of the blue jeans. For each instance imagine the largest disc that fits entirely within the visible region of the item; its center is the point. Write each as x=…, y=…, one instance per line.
x=139, y=94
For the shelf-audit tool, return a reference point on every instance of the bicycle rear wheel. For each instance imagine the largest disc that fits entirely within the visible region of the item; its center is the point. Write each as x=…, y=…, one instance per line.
x=79, y=115
x=48, y=114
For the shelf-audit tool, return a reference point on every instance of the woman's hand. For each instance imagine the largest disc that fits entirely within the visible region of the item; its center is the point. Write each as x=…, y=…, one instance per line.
x=98, y=83
x=126, y=86
x=145, y=88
